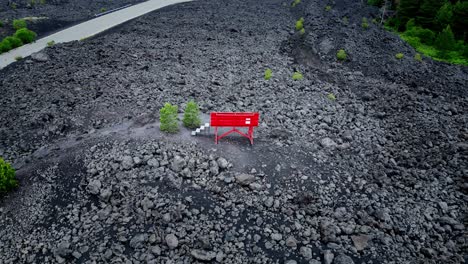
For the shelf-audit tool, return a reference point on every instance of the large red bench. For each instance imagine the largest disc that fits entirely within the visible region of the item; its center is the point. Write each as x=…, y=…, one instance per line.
x=234, y=119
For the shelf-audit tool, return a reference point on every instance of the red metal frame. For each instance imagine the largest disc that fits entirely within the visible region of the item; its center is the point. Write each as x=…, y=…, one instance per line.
x=234, y=120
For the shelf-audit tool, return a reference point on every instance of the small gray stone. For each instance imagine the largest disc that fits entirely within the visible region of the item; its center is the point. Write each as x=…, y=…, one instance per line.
x=269, y=202
x=127, y=162
x=153, y=162
x=40, y=57
x=222, y=163
x=328, y=143
x=147, y=204
x=156, y=250
x=291, y=242
x=328, y=257
x=245, y=179
x=306, y=252
x=94, y=187
x=214, y=169
x=276, y=236
x=291, y=261
x=178, y=164
x=63, y=249
x=105, y=194
x=203, y=255
x=138, y=240
x=136, y=160
x=360, y=242
x=171, y=241
x=343, y=259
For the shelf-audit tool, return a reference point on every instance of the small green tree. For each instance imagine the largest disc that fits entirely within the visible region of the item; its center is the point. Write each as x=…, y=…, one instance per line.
x=19, y=23
x=268, y=74
x=399, y=56
x=191, y=115
x=1, y=23
x=168, y=118
x=7, y=177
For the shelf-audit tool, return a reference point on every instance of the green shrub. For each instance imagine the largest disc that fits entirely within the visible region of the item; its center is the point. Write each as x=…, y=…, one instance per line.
x=297, y=76
x=365, y=24
x=43, y=2
x=1, y=23
x=19, y=23
x=399, y=56
x=5, y=46
x=302, y=31
x=268, y=74
x=426, y=36
x=295, y=3
x=375, y=2
x=18, y=58
x=13, y=6
x=328, y=8
x=7, y=177
x=14, y=41
x=168, y=118
x=418, y=57
x=341, y=55
x=331, y=96
x=26, y=35
x=102, y=10
x=191, y=115
x=50, y=43
x=300, y=24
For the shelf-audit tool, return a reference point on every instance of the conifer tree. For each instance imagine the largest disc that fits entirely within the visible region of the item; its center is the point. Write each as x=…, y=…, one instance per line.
x=428, y=11
x=460, y=20
x=407, y=9
x=444, y=16
x=191, y=115
x=168, y=118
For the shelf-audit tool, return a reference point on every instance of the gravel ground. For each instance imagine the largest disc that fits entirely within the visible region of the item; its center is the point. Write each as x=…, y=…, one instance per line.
x=378, y=175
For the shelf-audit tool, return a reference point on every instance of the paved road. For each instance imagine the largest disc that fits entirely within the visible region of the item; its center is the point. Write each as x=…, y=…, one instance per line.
x=87, y=29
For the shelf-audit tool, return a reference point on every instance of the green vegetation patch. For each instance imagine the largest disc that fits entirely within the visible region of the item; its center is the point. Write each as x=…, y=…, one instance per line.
x=399, y=56
x=297, y=76
x=268, y=74
x=295, y=3
x=7, y=177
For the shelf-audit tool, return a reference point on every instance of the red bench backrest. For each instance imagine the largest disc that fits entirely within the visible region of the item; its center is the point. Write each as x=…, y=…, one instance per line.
x=234, y=119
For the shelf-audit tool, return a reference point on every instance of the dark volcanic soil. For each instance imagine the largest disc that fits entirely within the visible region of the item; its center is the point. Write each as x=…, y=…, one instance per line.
x=378, y=175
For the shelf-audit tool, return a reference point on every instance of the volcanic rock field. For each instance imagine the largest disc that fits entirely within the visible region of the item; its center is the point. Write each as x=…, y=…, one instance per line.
x=378, y=175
